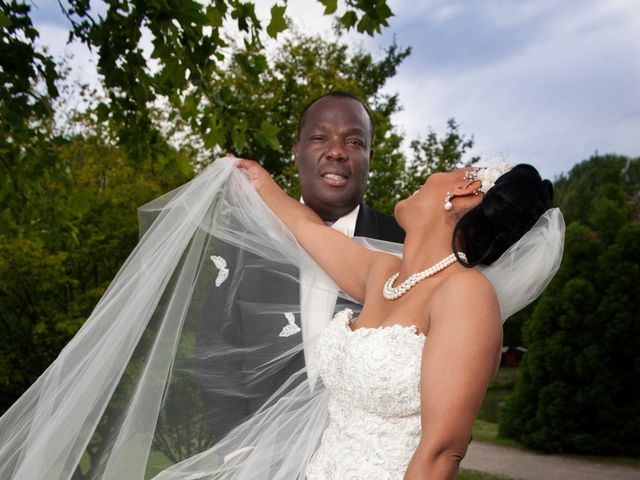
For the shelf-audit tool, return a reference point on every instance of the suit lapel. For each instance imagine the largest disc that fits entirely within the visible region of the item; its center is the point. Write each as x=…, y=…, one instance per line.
x=367, y=223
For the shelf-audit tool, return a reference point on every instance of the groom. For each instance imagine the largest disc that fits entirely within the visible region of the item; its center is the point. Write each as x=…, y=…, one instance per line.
x=332, y=154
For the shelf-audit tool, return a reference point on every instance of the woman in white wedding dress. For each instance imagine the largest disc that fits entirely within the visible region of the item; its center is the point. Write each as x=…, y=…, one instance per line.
x=401, y=381
x=408, y=375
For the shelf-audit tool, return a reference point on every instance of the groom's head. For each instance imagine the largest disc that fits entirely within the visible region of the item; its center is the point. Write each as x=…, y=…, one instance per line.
x=333, y=153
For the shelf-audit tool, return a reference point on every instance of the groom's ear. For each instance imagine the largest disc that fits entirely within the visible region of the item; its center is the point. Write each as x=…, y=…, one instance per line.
x=295, y=153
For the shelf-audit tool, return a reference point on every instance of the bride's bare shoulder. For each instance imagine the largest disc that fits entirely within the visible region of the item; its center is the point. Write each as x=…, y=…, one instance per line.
x=466, y=293
x=468, y=279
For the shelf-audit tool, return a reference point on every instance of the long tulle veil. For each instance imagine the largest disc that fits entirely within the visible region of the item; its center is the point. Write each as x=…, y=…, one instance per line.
x=148, y=388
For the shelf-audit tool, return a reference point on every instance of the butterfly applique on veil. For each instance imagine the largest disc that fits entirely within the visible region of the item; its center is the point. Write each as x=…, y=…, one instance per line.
x=223, y=271
x=291, y=328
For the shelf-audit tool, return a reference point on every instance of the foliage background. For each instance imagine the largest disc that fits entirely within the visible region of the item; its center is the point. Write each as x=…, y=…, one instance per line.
x=578, y=390
x=75, y=164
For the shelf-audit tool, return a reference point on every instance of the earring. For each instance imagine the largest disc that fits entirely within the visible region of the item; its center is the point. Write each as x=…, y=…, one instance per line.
x=447, y=201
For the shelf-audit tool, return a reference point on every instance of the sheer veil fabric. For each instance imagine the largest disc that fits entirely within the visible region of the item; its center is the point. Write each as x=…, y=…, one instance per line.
x=130, y=396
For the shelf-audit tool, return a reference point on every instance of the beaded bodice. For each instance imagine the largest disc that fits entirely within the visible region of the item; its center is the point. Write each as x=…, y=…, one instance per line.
x=373, y=378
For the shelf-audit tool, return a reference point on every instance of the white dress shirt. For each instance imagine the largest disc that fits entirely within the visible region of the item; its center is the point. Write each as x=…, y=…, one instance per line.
x=318, y=295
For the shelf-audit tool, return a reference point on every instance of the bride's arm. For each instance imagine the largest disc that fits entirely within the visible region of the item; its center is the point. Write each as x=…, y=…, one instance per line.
x=459, y=358
x=344, y=260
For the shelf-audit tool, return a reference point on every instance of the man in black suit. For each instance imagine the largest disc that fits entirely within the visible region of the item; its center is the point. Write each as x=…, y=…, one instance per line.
x=333, y=155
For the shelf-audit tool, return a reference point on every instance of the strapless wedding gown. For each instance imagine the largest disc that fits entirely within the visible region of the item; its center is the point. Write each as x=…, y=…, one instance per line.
x=373, y=379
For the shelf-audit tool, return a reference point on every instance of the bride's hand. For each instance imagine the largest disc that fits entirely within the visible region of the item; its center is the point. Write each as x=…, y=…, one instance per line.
x=258, y=176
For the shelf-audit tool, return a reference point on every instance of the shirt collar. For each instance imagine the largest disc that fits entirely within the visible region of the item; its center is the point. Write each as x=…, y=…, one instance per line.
x=345, y=224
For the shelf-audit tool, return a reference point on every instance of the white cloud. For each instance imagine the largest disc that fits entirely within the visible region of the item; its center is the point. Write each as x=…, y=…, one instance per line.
x=570, y=87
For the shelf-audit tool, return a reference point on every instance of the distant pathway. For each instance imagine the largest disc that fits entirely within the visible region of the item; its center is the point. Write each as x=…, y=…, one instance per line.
x=525, y=465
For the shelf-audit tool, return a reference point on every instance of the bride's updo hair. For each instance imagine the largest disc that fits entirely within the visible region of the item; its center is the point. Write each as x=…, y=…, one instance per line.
x=507, y=211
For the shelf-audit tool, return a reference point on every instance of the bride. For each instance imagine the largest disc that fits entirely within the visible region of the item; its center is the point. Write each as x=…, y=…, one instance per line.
x=401, y=381
x=408, y=375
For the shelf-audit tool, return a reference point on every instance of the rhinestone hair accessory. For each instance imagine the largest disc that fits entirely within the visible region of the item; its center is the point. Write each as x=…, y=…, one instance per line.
x=488, y=175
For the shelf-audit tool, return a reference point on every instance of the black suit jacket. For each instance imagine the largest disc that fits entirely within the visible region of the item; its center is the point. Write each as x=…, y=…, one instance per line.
x=242, y=324
x=374, y=224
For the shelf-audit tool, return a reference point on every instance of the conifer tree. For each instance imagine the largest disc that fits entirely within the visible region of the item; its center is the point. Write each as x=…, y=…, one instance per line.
x=578, y=389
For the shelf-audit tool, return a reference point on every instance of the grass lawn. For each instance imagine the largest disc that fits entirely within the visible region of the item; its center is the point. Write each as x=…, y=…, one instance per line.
x=488, y=432
x=499, y=390
x=485, y=427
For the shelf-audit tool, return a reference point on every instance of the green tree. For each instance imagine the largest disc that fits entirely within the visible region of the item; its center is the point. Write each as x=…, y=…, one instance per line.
x=302, y=68
x=610, y=176
x=61, y=247
x=189, y=50
x=578, y=389
x=575, y=191
x=27, y=87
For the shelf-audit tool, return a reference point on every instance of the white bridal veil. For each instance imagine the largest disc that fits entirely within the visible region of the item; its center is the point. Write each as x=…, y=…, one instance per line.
x=191, y=365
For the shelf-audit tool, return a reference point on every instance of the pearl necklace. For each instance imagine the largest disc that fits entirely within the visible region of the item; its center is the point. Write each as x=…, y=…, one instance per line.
x=392, y=293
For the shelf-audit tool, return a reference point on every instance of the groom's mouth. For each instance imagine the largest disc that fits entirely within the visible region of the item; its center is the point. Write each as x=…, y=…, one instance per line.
x=334, y=179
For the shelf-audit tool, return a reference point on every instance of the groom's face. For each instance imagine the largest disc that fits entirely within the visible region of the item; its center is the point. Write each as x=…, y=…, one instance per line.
x=332, y=154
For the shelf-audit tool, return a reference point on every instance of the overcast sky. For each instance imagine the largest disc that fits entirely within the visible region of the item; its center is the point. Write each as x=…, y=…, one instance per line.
x=545, y=82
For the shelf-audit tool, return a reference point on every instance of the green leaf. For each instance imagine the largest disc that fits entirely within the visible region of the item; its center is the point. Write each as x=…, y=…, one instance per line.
x=226, y=95
x=253, y=65
x=383, y=11
x=102, y=112
x=268, y=129
x=239, y=136
x=330, y=6
x=349, y=19
x=367, y=25
x=245, y=13
x=268, y=136
x=215, y=16
x=4, y=21
x=278, y=22
x=214, y=133
x=213, y=137
x=260, y=63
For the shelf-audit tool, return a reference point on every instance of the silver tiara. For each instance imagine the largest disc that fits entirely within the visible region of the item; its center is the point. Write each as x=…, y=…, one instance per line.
x=488, y=175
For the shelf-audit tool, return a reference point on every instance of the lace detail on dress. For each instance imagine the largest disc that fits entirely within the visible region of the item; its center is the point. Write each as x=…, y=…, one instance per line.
x=373, y=378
